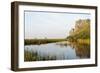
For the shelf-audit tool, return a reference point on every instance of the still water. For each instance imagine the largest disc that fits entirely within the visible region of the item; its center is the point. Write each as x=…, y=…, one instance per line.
x=56, y=51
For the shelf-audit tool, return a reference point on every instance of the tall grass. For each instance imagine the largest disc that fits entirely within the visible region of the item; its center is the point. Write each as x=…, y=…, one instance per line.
x=33, y=56
x=84, y=41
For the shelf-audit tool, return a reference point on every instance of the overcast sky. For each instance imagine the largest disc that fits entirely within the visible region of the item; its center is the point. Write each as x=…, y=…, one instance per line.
x=50, y=24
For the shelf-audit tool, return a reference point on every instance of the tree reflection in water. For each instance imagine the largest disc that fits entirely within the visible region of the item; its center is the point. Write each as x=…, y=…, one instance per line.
x=82, y=50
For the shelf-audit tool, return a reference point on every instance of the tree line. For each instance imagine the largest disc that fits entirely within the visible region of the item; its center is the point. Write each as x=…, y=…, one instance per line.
x=81, y=31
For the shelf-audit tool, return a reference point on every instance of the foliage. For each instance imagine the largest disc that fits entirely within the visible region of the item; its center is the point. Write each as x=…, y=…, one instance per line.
x=80, y=31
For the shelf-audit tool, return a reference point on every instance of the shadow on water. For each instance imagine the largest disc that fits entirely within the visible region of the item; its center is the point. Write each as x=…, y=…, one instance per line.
x=66, y=51
x=82, y=50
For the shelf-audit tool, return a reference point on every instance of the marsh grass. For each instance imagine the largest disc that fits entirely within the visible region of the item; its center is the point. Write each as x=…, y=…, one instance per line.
x=41, y=41
x=84, y=41
x=34, y=56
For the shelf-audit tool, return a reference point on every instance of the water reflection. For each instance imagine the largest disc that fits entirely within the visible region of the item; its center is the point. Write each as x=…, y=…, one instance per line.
x=56, y=51
x=82, y=50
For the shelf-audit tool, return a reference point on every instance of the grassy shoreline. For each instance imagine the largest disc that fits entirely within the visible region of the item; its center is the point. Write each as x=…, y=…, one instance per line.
x=80, y=41
x=41, y=41
x=84, y=41
x=45, y=41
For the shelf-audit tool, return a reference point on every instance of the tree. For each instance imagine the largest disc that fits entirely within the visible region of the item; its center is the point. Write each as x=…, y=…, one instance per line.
x=81, y=30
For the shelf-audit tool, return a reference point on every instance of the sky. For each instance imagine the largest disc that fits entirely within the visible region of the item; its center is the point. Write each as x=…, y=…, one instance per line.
x=50, y=25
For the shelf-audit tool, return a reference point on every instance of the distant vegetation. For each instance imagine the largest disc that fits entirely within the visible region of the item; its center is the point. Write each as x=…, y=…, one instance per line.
x=81, y=32
x=41, y=41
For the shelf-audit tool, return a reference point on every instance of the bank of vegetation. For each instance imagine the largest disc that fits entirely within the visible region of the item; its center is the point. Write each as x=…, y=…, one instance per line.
x=41, y=41
x=81, y=32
